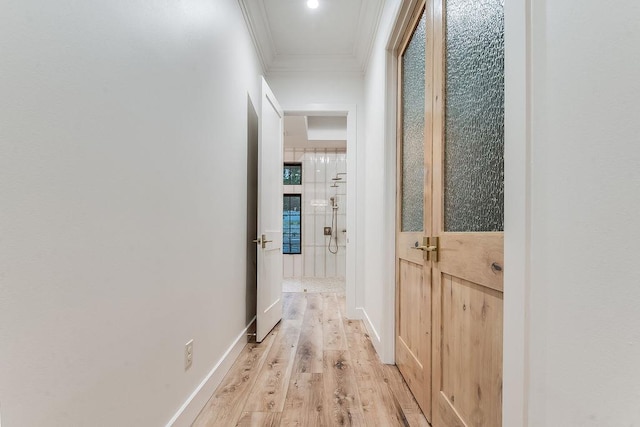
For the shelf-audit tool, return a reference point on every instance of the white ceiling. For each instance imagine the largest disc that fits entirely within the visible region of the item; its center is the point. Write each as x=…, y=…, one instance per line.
x=337, y=36
x=315, y=132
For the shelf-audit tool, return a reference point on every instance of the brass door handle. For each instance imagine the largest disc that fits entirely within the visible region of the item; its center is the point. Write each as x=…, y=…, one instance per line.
x=429, y=248
x=257, y=241
x=425, y=248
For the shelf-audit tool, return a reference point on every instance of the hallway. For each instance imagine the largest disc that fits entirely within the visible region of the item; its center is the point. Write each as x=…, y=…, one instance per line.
x=316, y=368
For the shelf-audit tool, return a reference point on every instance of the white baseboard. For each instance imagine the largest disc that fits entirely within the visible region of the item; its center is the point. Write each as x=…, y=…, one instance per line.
x=373, y=333
x=201, y=395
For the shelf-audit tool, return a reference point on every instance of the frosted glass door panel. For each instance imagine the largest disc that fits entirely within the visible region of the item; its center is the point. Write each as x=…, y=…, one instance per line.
x=413, y=97
x=474, y=116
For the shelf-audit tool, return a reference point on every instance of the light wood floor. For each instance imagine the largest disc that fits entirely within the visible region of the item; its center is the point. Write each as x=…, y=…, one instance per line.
x=315, y=369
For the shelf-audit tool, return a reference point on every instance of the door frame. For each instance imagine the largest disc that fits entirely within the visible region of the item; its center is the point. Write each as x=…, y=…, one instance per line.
x=354, y=294
x=517, y=238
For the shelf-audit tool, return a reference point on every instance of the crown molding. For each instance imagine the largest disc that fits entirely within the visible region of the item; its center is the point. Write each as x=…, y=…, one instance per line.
x=368, y=22
x=272, y=62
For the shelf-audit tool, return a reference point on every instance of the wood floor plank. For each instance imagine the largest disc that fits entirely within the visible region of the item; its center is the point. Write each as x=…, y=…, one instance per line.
x=293, y=306
x=333, y=329
x=399, y=388
x=304, y=406
x=225, y=406
x=342, y=401
x=378, y=403
x=272, y=383
x=317, y=368
x=261, y=419
x=310, y=345
x=353, y=326
x=417, y=420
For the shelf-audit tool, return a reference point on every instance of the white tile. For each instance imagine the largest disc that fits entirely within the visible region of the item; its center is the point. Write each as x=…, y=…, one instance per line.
x=309, y=257
x=308, y=168
x=287, y=268
x=320, y=238
x=288, y=156
x=331, y=167
x=308, y=230
x=341, y=165
x=320, y=169
x=320, y=260
x=297, y=266
x=341, y=264
x=342, y=225
x=330, y=264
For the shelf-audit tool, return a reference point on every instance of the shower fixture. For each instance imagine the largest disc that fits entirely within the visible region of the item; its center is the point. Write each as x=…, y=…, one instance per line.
x=333, y=237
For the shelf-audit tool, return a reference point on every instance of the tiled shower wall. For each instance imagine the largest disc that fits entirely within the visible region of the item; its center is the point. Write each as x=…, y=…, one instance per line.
x=319, y=166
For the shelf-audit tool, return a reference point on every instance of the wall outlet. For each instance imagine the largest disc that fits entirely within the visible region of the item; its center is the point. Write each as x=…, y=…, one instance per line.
x=188, y=354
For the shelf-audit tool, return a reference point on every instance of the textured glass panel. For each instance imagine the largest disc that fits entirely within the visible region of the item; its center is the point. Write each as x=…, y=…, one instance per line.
x=474, y=116
x=413, y=65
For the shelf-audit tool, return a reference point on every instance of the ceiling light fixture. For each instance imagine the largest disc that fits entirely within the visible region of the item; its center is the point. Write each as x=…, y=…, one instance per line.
x=312, y=4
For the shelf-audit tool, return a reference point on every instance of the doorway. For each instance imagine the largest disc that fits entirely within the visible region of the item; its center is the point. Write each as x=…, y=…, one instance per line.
x=321, y=140
x=315, y=203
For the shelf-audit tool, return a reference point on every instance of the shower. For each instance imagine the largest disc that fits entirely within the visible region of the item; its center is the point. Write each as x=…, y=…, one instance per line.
x=333, y=237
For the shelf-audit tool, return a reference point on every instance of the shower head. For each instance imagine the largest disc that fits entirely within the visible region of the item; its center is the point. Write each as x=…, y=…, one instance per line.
x=335, y=185
x=337, y=178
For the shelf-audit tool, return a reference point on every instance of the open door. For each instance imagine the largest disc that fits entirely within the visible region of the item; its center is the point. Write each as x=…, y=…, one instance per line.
x=269, y=239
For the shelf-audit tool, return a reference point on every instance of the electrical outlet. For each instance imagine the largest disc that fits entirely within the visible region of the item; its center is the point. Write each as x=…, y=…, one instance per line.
x=188, y=354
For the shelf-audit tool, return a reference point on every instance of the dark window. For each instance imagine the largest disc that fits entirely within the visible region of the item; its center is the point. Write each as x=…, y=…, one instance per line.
x=292, y=224
x=292, y=174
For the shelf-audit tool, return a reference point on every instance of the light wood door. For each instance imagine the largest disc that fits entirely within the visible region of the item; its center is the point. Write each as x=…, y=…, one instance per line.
x=449, y=307
x=468, y=213
x=413, y=272
x=269, y=239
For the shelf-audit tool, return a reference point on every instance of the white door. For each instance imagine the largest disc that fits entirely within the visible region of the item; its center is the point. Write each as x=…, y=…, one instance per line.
x=269, y=239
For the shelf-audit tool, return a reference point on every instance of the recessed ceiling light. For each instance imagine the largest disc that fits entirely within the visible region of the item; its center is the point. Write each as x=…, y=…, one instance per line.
x=312, y=4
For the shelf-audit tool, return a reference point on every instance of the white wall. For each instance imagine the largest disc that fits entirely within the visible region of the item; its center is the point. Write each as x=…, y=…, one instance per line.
x=319, y=166
x=379, y=198
x=119, y=122
x=584, y=322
